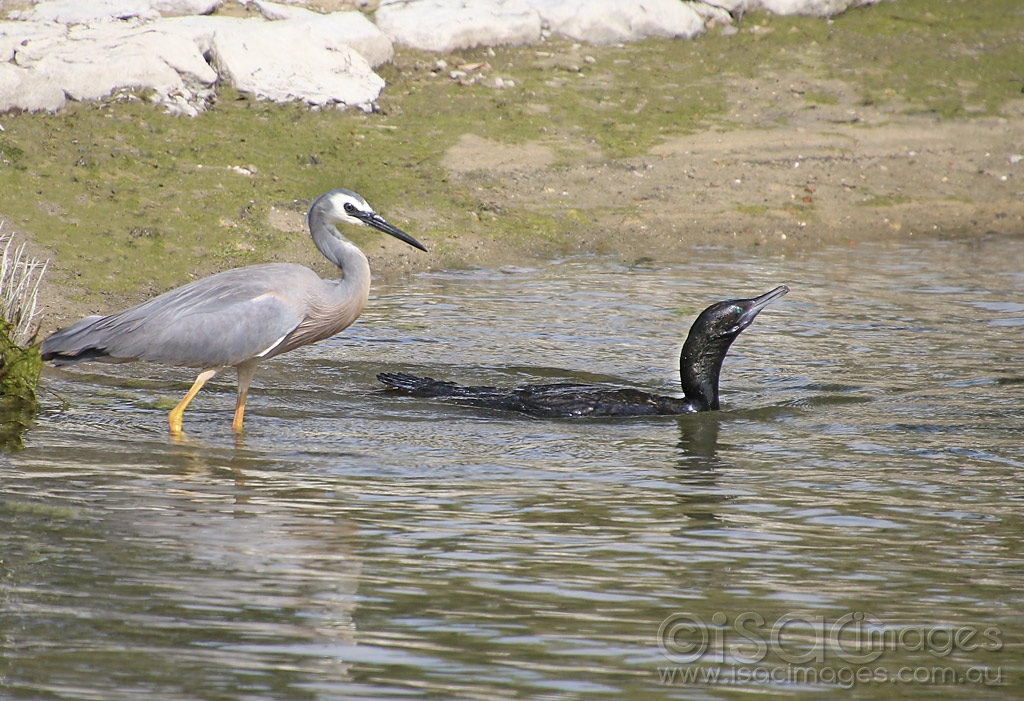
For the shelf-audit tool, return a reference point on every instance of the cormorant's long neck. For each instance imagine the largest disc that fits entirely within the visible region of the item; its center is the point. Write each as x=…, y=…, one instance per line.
x=355, y=269
x=700, y=365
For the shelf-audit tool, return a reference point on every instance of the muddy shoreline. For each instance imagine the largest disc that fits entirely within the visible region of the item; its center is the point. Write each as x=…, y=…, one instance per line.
x=816, y=181
x=785, y=158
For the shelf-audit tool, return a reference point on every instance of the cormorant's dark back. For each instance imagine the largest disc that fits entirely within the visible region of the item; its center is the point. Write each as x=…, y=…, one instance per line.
x=700, y=365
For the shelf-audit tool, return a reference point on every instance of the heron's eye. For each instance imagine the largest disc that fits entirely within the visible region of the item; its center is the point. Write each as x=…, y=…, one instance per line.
x=350, y=208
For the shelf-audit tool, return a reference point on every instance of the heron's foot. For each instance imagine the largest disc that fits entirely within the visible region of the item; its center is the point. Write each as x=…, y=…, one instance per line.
x=174, y=418
x=174, y=422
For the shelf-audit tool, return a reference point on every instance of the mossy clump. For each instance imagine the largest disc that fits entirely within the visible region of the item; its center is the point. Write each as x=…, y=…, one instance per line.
x=20, y=361
x=19, y=375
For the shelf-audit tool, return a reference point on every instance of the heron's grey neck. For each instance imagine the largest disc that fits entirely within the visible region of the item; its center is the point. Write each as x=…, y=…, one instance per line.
x=355, y=269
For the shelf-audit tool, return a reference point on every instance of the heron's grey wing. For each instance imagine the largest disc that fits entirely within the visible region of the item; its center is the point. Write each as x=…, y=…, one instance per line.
x=62, y=347
x=217, y=321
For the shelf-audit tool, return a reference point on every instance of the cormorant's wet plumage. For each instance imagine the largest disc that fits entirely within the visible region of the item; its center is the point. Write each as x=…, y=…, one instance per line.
x=700, y=364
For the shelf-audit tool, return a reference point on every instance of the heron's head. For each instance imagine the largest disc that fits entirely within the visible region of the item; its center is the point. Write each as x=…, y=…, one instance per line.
x=346, y=207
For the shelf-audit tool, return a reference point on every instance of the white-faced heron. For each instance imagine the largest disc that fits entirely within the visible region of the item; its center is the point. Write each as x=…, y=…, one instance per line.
x=239, y=317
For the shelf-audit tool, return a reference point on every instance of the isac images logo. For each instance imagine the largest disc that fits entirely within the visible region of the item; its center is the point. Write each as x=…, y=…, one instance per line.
x=799, y=647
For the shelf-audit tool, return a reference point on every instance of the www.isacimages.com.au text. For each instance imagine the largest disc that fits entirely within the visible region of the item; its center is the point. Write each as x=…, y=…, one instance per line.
x=842, y=676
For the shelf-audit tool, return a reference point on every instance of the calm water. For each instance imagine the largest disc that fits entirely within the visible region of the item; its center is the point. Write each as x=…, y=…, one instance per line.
x=864, y=478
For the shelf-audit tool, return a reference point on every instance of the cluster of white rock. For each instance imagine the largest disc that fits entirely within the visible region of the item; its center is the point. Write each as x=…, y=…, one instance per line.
x=179, y=50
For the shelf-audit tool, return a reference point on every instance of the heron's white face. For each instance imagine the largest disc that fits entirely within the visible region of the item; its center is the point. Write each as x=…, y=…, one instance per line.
x=350, y=208
x=346, y=207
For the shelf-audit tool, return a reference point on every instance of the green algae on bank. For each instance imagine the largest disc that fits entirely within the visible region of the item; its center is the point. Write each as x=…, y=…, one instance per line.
x=20, y=361
x=19, y=374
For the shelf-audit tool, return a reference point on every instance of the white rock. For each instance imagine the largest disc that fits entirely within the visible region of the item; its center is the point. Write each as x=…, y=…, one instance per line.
x=13, y=35
x=169, y=8
x=304, y=57
x=23, y=89
x=611, y=21
x=451, y=25
x=90, y=75
x=277, y=11
x=351, y=28
x=77, y=12
x=729, y=6
x=86, y=62
x=182, y=55
x=91, y=62
x=281, y=61
x=711, y=13
x=816, y=8
x=199, y=30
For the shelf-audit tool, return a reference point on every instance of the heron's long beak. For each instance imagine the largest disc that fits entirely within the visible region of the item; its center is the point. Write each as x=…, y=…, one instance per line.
x=759, y=303
x=379, y=223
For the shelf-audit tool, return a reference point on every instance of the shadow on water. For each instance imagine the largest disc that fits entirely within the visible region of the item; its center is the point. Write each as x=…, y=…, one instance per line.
x=698, y=439
x=697, y=465
x=16, y=416
x=142, y=543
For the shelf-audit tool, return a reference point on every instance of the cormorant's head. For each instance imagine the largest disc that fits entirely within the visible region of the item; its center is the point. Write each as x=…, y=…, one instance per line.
x=712, y=333
x=727, y=319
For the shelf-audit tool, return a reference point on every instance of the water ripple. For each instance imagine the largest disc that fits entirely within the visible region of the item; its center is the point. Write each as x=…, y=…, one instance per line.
x=355, y=544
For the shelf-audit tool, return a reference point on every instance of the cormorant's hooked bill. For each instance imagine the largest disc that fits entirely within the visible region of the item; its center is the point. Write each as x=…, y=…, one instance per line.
x=700, y=364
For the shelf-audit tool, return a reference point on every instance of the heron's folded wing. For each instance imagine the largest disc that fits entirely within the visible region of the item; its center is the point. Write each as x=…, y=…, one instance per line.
x=211, y=335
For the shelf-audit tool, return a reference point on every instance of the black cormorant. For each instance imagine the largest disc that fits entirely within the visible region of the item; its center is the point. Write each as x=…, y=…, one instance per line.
x=700, y=364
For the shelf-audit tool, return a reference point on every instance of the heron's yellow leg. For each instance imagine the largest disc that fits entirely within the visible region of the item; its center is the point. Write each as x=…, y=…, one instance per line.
x=174, y=418
x=245, y=373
